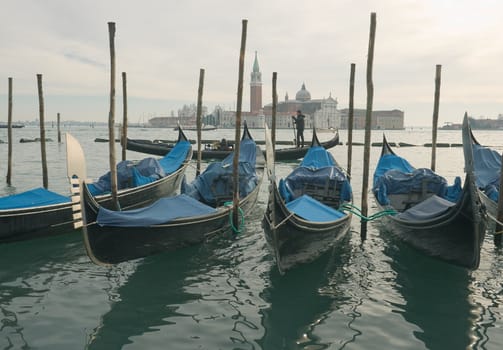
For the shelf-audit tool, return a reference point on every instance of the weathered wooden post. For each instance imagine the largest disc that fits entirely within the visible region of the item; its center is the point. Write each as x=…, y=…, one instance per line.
x=198, y=119
x=124, y=116
x=274, y=107
x=351, y=117
x=42, y=131
x=499, y=228
x=111, y=118
x=438, y=73
x=235, y=161
x=368, y=124
x=59, y=130
x=9, y=134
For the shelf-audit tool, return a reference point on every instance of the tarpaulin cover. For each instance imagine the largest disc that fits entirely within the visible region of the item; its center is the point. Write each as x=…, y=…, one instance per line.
x=487, y=165
x=389, y=162
x=398, y=182
x=294, y=184
x=395, y=175
x=317, y=157
x=428, y=209
x=32, y=198
x=216, y=181
x=145, y=171
x=162, y=211
x=310, y=209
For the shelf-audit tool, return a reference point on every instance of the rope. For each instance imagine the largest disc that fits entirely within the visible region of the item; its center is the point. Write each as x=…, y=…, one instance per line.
x=356, y=211
x=497, y=222
x=235, y=229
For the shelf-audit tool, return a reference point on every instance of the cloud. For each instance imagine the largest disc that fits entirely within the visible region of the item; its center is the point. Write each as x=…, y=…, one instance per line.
x=162, y=45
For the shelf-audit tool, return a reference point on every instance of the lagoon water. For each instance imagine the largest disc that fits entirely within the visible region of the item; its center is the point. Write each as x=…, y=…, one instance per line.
x=227, y=294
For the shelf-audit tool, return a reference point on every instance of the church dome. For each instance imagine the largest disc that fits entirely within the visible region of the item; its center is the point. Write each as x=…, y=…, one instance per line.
x=303, y=94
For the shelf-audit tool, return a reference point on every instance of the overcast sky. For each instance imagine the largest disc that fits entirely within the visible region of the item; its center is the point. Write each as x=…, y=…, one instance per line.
x=162, y=44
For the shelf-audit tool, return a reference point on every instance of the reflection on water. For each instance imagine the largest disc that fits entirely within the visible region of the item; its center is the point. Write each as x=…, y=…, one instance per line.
x=436, y=297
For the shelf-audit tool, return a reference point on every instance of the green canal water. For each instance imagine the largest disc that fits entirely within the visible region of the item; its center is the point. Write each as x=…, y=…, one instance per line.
x=227, y=294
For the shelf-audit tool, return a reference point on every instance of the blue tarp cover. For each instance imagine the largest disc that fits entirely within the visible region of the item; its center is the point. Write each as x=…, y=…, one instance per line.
x=310, y=209
x=428, y=209
x=162, y=211
x=317, y=157
x=487, y=165
x=145, y=171
x=394, y=175
x=216, y=181
x=293, y=185
x=32, y=198
x=316, y=169
x=389, y=162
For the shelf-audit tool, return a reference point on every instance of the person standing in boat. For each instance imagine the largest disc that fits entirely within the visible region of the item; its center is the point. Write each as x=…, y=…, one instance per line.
x=299, y=123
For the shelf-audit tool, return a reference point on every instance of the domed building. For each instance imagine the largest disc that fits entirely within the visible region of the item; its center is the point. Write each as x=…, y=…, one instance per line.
x=323, y=111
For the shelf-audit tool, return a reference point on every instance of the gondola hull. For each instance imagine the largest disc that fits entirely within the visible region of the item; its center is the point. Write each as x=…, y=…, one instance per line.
x=112, y=245
x=491, y=205
x=281, y=154
x=296, y=241
x=50, y=220
x=455, y=237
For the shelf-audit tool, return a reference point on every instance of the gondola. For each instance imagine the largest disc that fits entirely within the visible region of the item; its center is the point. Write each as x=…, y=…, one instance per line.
x=281, y=154
x=487, y=166
x=202, y=211
x=40, y=213
x=303, y=218
x=446, y=222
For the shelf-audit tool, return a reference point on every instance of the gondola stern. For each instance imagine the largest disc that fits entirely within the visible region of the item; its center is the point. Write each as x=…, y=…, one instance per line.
x=386, y=148
x=89, y=214
x=181, y=135
x=315, y=141
x=246, y=132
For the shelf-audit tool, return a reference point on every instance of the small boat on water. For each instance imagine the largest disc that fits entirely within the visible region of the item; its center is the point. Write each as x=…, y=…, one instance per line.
x=200, y=212
x=40, y=212
x=218, y=152
x=446, y=222
x=303, y=219
x=194, y=128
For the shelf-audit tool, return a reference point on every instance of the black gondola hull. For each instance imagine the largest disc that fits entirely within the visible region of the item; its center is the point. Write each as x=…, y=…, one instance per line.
x=455, y=237
x=112, y=245
x=51, y=220
x=281, y=154
x=295, y=241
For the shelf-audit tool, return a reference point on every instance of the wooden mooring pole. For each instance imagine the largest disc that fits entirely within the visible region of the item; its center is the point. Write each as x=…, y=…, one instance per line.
x=124, y=116
x=499, y=228
x=368, y=124
x=59, y=129
x=351, y=117
x=436, y=104
x=198, y=120
x=42, y=131
x=274, y=107
x=9, y=135
x=237, y=136
x=111, y=118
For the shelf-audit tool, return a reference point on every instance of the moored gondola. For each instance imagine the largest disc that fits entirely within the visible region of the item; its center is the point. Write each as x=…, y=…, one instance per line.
x=201, y=212
x=446, y=222
x=40, y=213
x=487, y=170
x=281, y=154
x=303, y=218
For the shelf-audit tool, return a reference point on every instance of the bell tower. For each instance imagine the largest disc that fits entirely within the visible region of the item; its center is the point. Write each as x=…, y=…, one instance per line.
x=256, y=88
